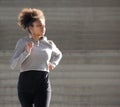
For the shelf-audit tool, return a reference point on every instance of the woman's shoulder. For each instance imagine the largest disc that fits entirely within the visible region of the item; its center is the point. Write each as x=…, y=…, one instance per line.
x=24, y=39
x=48, y=42
x=51, y=42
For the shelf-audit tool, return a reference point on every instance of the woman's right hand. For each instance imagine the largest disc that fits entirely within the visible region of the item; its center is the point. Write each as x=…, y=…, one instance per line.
x=29, y=47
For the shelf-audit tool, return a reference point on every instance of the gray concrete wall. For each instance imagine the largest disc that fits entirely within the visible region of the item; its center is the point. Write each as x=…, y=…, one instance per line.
x=87, y=32
x=73, y=25
x=84, y=79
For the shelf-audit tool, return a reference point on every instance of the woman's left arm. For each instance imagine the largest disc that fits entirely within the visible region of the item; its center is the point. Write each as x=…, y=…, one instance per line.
x=55, y=57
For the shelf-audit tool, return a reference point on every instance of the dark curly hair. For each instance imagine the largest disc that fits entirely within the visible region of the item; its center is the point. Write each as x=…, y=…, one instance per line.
x=28, y=15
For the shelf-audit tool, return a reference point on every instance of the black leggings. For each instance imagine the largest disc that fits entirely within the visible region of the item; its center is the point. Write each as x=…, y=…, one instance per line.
x=34, y=89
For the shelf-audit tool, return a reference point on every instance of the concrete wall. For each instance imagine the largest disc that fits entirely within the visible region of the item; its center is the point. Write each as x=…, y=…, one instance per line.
x=73, y=25
x=87, y=32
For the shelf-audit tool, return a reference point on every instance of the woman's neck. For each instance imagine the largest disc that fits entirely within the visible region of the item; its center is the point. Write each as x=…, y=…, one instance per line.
x=36, y=38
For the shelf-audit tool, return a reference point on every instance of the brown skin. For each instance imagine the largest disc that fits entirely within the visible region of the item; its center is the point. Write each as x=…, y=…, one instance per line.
x=37, y=31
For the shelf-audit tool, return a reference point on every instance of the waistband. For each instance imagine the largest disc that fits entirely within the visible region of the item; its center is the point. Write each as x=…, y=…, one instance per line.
x=34, y=71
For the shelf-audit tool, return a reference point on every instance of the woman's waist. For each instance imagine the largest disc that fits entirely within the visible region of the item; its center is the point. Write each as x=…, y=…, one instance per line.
x=34, y=73
x=37, y=69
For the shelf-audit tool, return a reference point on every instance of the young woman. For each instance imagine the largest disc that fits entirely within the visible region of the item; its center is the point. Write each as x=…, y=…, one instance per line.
x=36, y=56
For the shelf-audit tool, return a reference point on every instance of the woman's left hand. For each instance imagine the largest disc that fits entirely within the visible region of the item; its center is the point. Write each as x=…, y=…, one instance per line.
x=51, y=67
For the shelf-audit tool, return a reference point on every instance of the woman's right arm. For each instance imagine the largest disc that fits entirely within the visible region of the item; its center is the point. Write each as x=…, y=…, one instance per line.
x=19, y=55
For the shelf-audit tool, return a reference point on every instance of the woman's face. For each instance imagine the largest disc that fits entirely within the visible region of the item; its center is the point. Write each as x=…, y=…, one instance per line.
x=38, y=29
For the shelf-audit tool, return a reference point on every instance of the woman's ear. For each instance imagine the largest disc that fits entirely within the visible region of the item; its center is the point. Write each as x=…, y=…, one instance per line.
x=30, y=29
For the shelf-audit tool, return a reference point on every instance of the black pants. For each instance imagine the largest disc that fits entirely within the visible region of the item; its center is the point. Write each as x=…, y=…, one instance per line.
x=34, y=89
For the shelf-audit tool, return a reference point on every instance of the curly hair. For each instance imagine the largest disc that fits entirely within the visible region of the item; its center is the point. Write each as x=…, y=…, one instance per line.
x=28, y=15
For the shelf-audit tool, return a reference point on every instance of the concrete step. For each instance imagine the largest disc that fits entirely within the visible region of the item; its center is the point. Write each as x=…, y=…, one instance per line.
x=83, y=28
x=73, y=57
x=105, y=97
x=46, y=3
x=73, y=74
x=62, y=3
x=73, y=83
